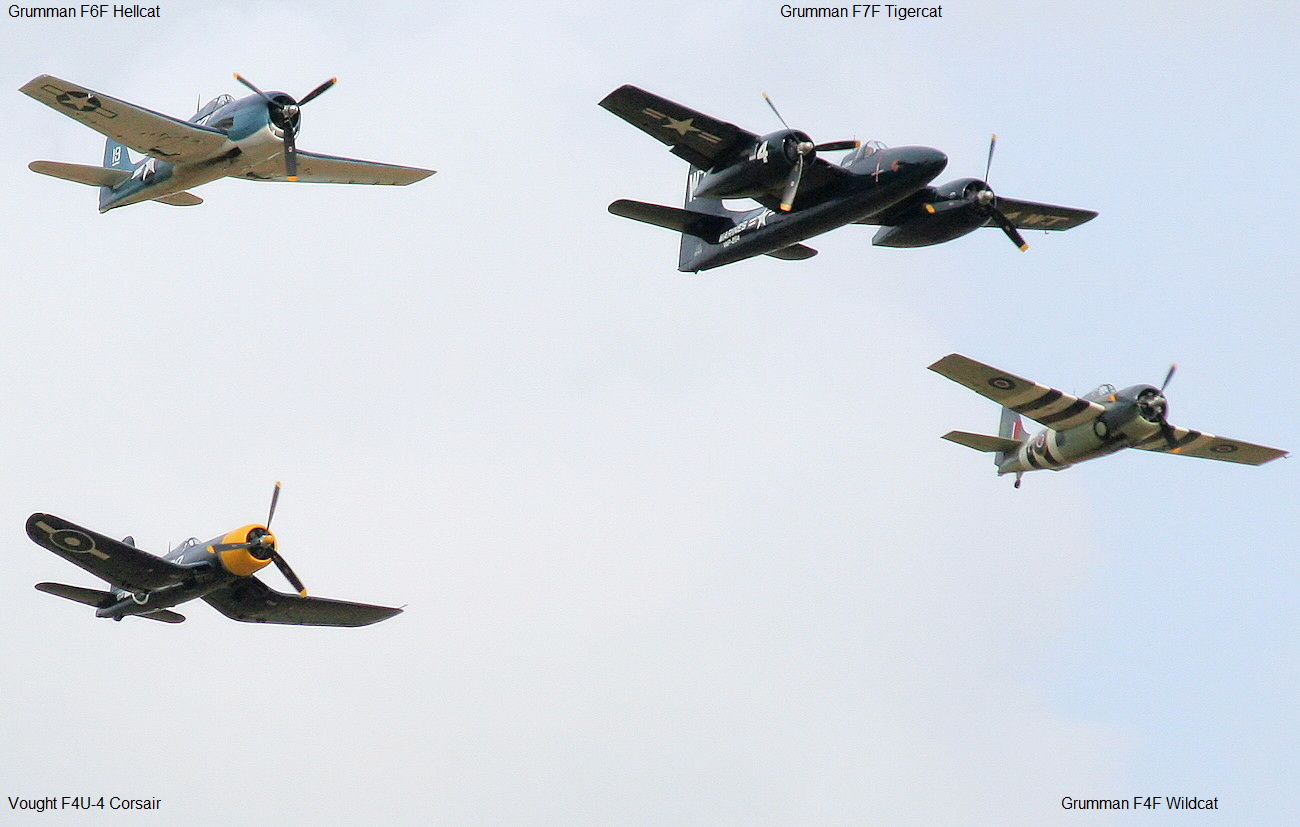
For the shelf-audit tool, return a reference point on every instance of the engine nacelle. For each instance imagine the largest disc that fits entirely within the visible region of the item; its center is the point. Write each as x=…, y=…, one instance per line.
x=946, y=212
x=762, y=171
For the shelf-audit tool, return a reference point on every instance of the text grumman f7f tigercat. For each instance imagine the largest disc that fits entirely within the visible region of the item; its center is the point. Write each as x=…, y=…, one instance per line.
x=219, y=571
x=803, y=195
x=251, y=138
x=1084, y=427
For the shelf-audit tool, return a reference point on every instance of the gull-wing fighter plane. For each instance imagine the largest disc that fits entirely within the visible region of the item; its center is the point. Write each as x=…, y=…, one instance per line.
x=1078, y=428
x=219, y=571
x=252, y=137
x=803, y=194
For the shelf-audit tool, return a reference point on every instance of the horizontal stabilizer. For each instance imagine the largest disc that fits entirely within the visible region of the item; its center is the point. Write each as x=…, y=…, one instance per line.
x=795, y=252
x=180, y=199
x=699, y=225
x=91, y=597
x=80, y=173
x=983, y=442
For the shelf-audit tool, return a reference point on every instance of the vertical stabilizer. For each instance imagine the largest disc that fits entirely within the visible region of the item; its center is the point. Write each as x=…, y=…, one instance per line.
x=115, y=157
x=1009, y=428
x=692, y=247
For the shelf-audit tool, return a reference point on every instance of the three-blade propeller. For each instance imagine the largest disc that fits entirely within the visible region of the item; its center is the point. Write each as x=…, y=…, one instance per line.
x=261, y=542
x=1155, y=407
x=285, y=114
x=981, y=197
x=804, y=149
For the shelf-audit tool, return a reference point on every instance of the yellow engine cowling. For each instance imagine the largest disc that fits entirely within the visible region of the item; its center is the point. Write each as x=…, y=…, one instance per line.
x=244, y=562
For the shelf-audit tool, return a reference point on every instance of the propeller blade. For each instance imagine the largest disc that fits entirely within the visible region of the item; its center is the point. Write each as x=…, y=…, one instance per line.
x=1167, y=431
x=778, y=114
x=1009, y=228
x=993, y=141
x=836, y=146
x=792, y=186
x=1168, y=376
x=318, y=90
x=250, y=85
x=275, y=498
x=290, y=172
x=289, y=575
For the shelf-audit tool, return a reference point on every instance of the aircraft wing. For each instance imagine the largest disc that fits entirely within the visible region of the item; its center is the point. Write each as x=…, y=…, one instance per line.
x=692, y=136
x=124, y=566
x=252, y=601
x=1046, y=406
x=1190, y=443
x=143, y=130
x=1029, y=215
x=315, y=168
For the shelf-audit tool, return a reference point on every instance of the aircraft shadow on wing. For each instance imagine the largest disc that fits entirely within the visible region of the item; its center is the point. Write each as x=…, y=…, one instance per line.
x=254, y=138
x=803, y=195
x=220, y=572
x=1078, y=428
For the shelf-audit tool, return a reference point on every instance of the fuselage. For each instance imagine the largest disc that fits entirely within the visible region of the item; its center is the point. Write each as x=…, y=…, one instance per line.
x=209, y=569
x=251, y=139
x=1126, y=422
x=878, y=179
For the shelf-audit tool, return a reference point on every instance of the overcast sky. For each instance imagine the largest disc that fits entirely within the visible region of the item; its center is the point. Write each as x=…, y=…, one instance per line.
x=675, y=549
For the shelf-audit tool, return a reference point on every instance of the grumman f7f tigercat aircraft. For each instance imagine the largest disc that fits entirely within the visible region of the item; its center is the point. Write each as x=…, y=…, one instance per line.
x=252, y=138
x=219, y=571
x=803, y=195
x=1081, y=428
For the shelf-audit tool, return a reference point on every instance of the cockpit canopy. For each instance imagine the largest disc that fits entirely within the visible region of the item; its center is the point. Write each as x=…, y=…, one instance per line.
x=867, y=149
x=1104, y=391
x=210, y=107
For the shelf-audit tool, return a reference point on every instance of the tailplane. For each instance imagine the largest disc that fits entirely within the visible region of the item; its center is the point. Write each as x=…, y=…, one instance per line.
x=1004, y=446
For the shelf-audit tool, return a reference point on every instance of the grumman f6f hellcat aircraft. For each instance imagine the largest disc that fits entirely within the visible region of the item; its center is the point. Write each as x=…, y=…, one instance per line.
x=252, y=138
x=803, y=195
x=1080, y=428
x=219, y=571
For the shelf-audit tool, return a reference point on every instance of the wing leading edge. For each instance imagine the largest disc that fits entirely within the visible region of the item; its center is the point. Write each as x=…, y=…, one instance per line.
x=252, y=601
x=1047, y=406
x=315, y=168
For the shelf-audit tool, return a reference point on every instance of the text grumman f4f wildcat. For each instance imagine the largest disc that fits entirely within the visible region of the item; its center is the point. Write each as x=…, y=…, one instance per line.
x=252, y=138
x=220, y=571
x=1081, y=427
x=804, y=195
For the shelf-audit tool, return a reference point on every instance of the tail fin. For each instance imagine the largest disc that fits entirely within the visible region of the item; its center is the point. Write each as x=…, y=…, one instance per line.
x=693, y=247
x=1009, y=428
x=115, y=157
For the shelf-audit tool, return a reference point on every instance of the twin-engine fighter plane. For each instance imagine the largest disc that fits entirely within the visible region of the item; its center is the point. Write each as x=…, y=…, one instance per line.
x=803, y=195
x=220, y=571
x=253, y=137
x=1079, y=428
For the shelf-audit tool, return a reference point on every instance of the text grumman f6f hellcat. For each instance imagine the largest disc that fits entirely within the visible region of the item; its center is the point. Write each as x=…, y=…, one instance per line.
x=1081, y=427
x=219, y=571
x=803, y=195
x=251, y=138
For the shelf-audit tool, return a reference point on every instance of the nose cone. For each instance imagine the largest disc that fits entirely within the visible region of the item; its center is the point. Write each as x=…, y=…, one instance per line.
x=923, y=162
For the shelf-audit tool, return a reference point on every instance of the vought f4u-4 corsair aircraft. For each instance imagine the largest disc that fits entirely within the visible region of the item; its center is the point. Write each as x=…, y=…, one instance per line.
x=220, y=571
x=253, y=138
x=803, y=195
x=1081, y=427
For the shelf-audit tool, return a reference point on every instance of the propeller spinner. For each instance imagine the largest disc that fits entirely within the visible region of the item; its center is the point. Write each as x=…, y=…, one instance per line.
x=804, y=149
x=285, y=114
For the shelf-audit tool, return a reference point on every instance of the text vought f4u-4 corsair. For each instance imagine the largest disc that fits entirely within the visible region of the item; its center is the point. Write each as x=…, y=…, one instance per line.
x=803, y=195
x=252, y=137
x=219, y=571
x=1081, y=427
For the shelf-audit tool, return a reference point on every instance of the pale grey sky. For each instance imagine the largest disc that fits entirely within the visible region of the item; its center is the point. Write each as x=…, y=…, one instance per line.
x=676, y=549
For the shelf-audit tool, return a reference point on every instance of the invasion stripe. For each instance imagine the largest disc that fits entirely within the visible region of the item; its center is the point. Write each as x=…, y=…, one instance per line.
x=1041, y=402
x=1079, y=406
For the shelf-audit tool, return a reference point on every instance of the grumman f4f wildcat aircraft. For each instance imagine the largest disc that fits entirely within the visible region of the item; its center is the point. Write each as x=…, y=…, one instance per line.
x=803, y=195
x=219, y=571
x=1081, y=427
x=252, y=137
